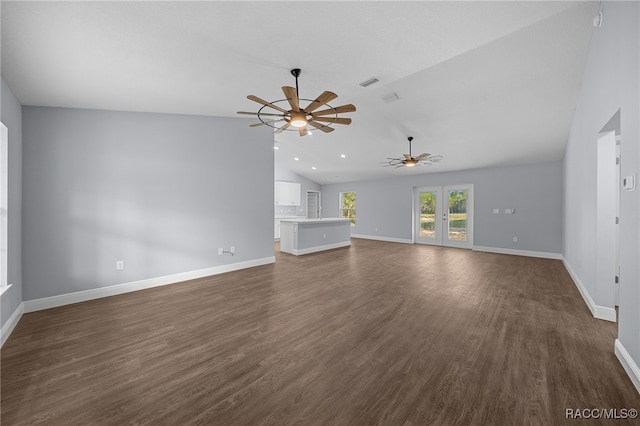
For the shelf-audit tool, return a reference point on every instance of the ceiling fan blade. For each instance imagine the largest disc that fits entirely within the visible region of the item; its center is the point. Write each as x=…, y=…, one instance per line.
x=436, y=158
x=336, y=120
x=336, y=110
x=407, y=156
x=321, y=127
x=422, y=156
x=265, y=122
x=292, y=96
x=303, y=131
x=265, y=103
x=283, y=128
x=325, y=97
x=262, y=113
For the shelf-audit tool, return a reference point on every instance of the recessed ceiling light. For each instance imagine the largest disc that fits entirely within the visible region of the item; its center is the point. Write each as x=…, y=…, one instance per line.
x=313, y=168
x=275, y=147
x=343, y=156
x=296, y=158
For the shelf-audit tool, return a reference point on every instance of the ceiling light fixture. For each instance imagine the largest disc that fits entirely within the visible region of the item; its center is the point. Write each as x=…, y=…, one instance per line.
x=297, y=117
x=409, y=161
x=343, y=156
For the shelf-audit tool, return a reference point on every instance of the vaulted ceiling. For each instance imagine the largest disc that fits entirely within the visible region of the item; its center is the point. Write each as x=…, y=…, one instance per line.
x=482, y=83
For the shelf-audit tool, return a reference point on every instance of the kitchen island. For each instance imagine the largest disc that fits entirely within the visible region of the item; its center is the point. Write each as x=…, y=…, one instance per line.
x=303, y=236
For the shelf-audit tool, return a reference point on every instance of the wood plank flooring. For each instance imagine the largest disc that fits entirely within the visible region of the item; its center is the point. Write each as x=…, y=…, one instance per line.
x=378, y=333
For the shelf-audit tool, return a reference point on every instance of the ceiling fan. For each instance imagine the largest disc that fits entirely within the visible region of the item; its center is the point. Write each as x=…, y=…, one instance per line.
x=410, y=161
x=297, y=116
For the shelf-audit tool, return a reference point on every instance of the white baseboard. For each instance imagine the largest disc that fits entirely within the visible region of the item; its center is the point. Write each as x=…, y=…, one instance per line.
x=11, y=323
x=96, y=293
x=628, y=363
x=320, y=248
x=528, y=253
x=599, y=312
x=379, y=238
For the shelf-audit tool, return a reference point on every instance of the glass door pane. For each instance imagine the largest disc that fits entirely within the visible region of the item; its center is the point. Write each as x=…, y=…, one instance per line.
x=428, y=214
x=457, y=218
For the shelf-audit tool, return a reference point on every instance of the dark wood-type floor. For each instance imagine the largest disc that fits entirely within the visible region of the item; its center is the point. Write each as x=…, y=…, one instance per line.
x=378, y=333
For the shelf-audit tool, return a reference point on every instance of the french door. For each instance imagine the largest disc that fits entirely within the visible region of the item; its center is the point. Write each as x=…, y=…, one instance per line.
x=444, y=215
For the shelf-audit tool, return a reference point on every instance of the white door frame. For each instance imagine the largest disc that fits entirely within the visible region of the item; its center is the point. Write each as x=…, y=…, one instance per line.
x=319, y=211
x=605, y=219
x=616, y=298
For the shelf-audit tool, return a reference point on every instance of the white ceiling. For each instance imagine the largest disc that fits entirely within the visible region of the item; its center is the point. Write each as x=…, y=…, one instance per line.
x=482, y=83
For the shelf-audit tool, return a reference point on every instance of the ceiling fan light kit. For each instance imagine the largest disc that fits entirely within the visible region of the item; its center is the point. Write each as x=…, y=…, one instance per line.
x=409, y=161
x=296, y=116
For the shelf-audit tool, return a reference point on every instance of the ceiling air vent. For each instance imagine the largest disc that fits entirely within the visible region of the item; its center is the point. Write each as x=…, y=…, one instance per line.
x=369, y=82
x=390, y=97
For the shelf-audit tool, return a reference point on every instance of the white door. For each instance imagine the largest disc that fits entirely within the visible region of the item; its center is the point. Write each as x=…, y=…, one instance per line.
x=444, y=216
x=606, y=268
x=313, y=205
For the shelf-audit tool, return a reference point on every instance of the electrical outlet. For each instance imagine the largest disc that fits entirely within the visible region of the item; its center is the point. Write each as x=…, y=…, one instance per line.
x=119, y=265
x=515, y=239
x=232, y=250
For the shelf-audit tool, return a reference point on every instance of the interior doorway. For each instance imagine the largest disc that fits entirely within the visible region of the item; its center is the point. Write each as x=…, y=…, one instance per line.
x=443, y=215
x=313, y=205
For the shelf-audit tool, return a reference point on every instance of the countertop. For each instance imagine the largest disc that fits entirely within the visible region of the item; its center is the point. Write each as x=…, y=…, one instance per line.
x=323, y=220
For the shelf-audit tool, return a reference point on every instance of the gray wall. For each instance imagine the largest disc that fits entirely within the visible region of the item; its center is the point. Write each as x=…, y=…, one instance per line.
x=305, y=185
x=161, y=192
x=11, y=116
x=610, y=82
x=535, y=191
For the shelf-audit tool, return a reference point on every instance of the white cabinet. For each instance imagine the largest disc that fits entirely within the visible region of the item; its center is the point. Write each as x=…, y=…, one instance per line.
x=287, y=193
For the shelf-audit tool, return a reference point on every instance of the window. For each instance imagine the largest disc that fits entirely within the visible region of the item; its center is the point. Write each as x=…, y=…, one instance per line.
x=348, y=206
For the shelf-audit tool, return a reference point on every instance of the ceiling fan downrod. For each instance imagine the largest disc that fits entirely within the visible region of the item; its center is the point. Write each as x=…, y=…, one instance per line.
x=296, y=73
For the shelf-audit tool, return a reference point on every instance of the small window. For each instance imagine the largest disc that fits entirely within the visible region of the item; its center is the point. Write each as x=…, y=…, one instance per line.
x=348, y=206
